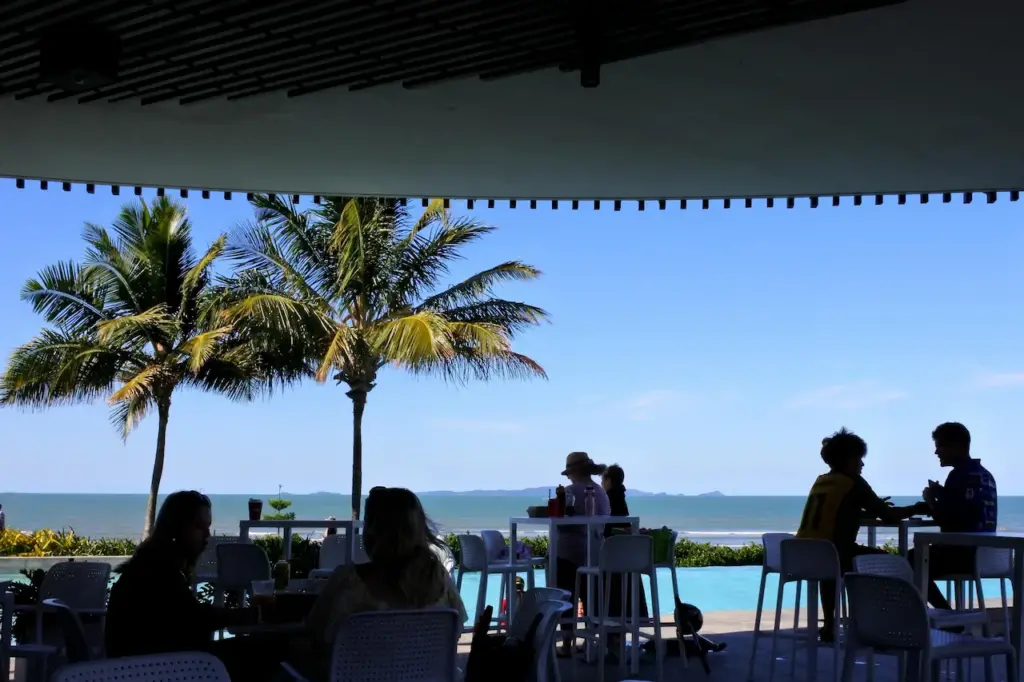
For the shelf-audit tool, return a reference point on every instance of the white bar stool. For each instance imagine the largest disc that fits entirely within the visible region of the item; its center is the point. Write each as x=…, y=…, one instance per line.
x=810, y=561
x=476, y=557
x=629, y=556
x=771, y=564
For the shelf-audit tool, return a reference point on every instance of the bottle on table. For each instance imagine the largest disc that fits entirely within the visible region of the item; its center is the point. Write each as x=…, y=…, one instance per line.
x=588, y=501
x=552, y=505
x=570, y=502
x=560, y=500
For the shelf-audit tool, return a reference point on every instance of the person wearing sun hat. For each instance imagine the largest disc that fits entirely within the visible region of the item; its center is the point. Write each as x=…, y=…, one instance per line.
x=572, y=541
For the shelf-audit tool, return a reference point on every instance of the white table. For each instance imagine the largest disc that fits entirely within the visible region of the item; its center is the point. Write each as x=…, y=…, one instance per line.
x=1000, y=540
x=553, y=524
x=348, y=525
x=903, y=526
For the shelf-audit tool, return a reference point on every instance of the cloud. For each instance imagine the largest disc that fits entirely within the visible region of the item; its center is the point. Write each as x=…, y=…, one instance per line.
x=999, y=379
x=491, y=425
x=853, y=396
x=656, y=404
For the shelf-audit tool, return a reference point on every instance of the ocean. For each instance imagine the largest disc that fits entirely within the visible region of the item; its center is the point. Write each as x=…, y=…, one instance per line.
x=720, y=520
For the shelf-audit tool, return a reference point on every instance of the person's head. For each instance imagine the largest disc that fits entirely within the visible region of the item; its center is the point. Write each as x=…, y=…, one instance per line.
x=952, y=443
x=183, y=525
x=579, y=467
x=613, y=477
x=844, y=452
x=403, y=545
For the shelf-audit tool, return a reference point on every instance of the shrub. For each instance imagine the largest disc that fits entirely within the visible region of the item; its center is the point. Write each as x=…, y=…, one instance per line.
x=46, y=542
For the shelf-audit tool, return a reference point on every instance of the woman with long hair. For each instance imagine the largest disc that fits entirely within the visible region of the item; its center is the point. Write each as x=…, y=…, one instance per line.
x=153, y=609
x=404, y=572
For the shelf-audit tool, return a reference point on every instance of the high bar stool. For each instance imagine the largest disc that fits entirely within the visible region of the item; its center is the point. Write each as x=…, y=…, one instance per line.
x=770, y=564
x=474, y=557
x=810, y=561
x=628, y=556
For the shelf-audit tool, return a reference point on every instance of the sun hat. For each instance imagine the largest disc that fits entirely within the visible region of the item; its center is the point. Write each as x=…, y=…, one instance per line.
x=581, y=462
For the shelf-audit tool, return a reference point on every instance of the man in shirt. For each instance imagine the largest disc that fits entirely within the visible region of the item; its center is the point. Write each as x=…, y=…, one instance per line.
x=835, y=506
x=966, y=503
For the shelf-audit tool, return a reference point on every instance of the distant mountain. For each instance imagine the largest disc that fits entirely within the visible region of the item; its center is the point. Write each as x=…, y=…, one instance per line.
x=713, y=493
x=526, y=492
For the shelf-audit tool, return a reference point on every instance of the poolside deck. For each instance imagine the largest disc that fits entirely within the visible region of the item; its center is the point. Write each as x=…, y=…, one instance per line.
x=732, y=665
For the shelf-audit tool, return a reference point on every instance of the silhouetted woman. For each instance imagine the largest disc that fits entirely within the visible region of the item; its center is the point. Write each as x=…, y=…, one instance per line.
x=152, y=607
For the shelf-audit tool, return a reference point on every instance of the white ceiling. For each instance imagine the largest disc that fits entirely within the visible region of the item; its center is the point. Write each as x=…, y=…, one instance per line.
x=923, y=96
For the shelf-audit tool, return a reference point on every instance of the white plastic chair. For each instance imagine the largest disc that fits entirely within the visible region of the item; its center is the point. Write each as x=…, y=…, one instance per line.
x=888, y=616
x=771, y=563
x=333, y=553
x=476, y=557
x=395, y=646
x=813, y=562
x=191, y=666
x=528, y=609
x=206, y=565
x=995, y=564
x=629, y=557
x=544, y=639
x=238, y=564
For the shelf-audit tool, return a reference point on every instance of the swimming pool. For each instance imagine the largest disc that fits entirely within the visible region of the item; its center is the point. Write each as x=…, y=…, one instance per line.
x=710, y=589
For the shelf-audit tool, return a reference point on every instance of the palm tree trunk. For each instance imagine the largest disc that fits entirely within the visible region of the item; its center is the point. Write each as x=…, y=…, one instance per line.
x=163, y=410
x=358, y=396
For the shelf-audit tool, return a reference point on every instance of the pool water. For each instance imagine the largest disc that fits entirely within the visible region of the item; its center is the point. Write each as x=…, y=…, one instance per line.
x=710, y=589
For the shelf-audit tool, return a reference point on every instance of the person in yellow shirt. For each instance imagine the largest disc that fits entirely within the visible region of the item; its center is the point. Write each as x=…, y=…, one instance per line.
x=837, y=503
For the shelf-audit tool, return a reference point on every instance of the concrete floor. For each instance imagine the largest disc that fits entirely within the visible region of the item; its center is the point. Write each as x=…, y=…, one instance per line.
x=735, y=628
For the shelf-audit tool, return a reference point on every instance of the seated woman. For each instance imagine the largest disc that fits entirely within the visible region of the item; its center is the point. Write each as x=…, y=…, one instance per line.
x=152, y=608
x=404, y=571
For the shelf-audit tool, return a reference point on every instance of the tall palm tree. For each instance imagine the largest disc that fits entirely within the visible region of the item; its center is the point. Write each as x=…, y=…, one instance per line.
x=355, y=284
x=132, y=323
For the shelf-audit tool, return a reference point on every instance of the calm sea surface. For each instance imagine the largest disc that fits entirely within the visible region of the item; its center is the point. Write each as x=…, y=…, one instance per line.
x=721, y=520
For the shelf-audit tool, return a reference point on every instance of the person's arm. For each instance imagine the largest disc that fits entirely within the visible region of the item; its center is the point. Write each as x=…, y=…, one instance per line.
x=453, y=598
x=876, y=508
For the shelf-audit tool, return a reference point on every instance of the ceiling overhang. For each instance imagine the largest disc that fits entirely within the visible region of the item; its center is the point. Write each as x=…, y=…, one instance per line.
x=907, y=98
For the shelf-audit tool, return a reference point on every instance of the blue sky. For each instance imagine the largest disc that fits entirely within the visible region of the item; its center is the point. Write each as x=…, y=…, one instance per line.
x=699, y=349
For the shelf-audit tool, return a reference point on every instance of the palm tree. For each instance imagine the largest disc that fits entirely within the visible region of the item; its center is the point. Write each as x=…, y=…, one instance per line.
x=352, y=286
x=131, y=323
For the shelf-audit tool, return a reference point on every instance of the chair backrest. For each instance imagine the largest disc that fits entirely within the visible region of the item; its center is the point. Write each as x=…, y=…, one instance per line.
x=189, y=666
x=892, y=565
x=529, y=606
x=807, y=559
x=993, y=562
x=76, y=647
x=393, y=646
x=550, y=613
x=359, y=555
x=79, y=584
x=206, y=566
x=472, y=553
x=334, y=551
x=239, y=564
x=627, y=553
x=494, y=542
x=886, y=612
x=772, y=543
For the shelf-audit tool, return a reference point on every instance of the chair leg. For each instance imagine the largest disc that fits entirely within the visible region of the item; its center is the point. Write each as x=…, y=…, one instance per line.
x=849, y=660
x=796, y=627
x=481, y=597
x=757, y=624
x=659, y=645
x=775, y=632
x=602, y=622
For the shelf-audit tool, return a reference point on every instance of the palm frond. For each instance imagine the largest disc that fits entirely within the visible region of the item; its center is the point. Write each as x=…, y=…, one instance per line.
x=56, y=368
x=202, y=347
x=66, y=297
x=125, y=415
x=342, y=353
x=141, y=384
x=512, y=316
x=426, y=257
x=156, y=325
x=480, y=285
x=198, y=274
x=413, y=340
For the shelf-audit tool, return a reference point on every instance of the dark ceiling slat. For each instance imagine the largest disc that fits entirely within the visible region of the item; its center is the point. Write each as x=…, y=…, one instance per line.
x=289, y=71
x=351, y=73
x=350, y=37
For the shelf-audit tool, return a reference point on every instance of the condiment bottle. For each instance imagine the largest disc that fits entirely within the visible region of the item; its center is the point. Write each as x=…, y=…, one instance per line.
x=560, y=497
x=552, y=505
x=588, y=501
x=282, y=573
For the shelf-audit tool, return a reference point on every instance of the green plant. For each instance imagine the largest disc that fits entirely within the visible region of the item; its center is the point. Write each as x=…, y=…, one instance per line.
x=131, y=323
x=279, y=505
x=352, y=286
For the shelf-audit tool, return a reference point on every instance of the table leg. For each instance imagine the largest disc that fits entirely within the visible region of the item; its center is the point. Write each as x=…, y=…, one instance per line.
x=1017, y=626
x=553, y=559
x=904, y=538
x=510, y=611
x=921, y=567
x=872, y=536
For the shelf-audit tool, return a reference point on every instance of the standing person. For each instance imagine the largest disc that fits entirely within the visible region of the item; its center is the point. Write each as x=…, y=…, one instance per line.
x=572, y=541
x=613, y=482
x=835, y=506
x=3, y=519
x=967, y=503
